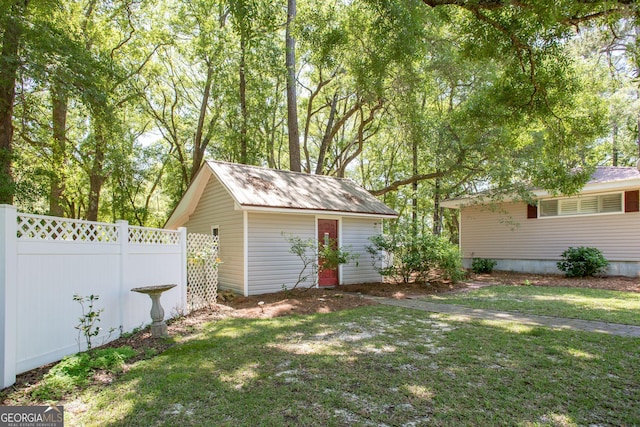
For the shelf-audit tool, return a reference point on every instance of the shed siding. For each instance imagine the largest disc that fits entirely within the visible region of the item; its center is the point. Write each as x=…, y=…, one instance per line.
x=506, y=233
x=355, y=237
x=271, y=265
x=216, y=207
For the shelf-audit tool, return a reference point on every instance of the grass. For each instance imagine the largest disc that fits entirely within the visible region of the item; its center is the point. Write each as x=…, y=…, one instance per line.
x=578, y=303
x=375, y=366
x=76, y=371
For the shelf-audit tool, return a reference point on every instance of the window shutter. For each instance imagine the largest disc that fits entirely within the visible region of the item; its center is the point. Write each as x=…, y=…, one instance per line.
x=631, y=201
x=532, y=211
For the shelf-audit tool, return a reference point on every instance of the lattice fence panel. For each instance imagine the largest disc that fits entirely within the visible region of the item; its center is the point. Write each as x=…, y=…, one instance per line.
x=202, y=270
x=153, y=236
x=36, y=227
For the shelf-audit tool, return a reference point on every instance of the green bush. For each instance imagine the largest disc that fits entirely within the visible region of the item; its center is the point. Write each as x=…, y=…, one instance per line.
x=582, y=262
x=420, y=255
x=482, y=265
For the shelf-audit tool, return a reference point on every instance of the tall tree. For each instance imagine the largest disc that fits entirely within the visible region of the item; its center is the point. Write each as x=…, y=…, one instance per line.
x=292, y=99
x=12, y=18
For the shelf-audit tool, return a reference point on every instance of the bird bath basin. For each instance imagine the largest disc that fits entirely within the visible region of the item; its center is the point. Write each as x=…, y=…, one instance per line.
x=158, y=327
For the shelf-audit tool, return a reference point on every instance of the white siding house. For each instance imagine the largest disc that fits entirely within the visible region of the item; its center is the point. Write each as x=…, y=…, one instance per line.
x=254, y=209
x=531, y=238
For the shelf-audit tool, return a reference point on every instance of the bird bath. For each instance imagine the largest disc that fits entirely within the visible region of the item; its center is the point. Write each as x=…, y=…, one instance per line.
x=158, y=327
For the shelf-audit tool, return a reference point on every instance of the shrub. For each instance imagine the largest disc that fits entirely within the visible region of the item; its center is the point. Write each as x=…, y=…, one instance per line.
x=482, y=265
x=582, y=262
x=404, y=255
x=450, y=261
x=389, y=256
x=316, y=257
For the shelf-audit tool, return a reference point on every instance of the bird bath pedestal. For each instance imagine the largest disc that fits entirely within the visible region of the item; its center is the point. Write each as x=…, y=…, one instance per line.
x=158, y=327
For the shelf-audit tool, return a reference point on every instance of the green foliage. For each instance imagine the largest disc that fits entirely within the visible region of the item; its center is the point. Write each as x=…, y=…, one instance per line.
x=482, y=265
x=332, y=256
x=151, y=89
x=309, y=251
x=306, y=251
x=76, y=371
x=404, y=255
x=582, y=261
x=87, y=325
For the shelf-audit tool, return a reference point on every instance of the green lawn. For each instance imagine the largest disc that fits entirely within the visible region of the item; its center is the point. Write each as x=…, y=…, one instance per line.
x=375, y=366
x=579, y=303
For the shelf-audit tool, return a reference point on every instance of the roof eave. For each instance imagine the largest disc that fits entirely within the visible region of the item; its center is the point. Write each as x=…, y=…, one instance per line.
x=189, y=201
x=274, y=209
x=597, y=187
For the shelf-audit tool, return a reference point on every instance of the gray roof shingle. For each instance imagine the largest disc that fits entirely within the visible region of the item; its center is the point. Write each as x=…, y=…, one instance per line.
x=613, y=173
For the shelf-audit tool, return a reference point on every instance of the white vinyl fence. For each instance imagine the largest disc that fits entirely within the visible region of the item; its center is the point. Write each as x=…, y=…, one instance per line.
x=44, y=261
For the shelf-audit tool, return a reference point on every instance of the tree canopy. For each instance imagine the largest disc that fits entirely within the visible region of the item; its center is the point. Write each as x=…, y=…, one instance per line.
x=108, y=109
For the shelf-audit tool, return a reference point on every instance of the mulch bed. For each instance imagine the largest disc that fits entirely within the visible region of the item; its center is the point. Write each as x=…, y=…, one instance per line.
x=614, y=283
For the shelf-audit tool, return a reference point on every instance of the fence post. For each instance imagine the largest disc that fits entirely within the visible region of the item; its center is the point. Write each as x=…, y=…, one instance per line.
x=183, y=274
x=8, y=293
x=123, y=240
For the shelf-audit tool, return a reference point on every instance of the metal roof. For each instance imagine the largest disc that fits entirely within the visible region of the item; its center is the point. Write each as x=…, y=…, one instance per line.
x=253, y=186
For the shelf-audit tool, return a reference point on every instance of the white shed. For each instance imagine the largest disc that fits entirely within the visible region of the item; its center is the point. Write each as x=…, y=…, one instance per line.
x=252, y=209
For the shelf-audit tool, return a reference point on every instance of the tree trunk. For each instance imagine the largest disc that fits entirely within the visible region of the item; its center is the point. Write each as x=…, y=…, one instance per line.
x=59, y=103
x=8, y=72
x=292, y=101
x=453, y=226
x=437, y=210
x=414, y=185
x=199, y=146
x=614, y=144
x=328, y=136
x=96, y=178
x=244, y=158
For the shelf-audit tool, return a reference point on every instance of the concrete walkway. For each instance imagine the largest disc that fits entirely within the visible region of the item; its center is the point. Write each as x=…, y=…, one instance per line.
x=527, y=319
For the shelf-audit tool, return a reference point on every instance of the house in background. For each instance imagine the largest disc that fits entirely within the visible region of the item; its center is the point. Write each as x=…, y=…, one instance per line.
x=252, y=210
x=531, y=238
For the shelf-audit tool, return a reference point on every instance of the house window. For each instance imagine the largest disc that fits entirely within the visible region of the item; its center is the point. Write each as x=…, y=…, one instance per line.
x=215, y=232
x=582, y=205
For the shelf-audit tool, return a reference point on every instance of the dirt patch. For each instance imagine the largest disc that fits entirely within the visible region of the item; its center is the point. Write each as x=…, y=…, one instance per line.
x=308, y=301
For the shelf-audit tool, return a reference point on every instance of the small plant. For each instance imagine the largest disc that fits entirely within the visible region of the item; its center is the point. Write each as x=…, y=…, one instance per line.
x=305, y=250
x=88, y=321
x=582, y=262
x=310, y=252
x=286, y=290
x=332, y=256
x=482, y=265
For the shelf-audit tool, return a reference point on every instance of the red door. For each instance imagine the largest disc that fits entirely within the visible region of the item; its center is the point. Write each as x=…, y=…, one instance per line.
x=327, y=232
